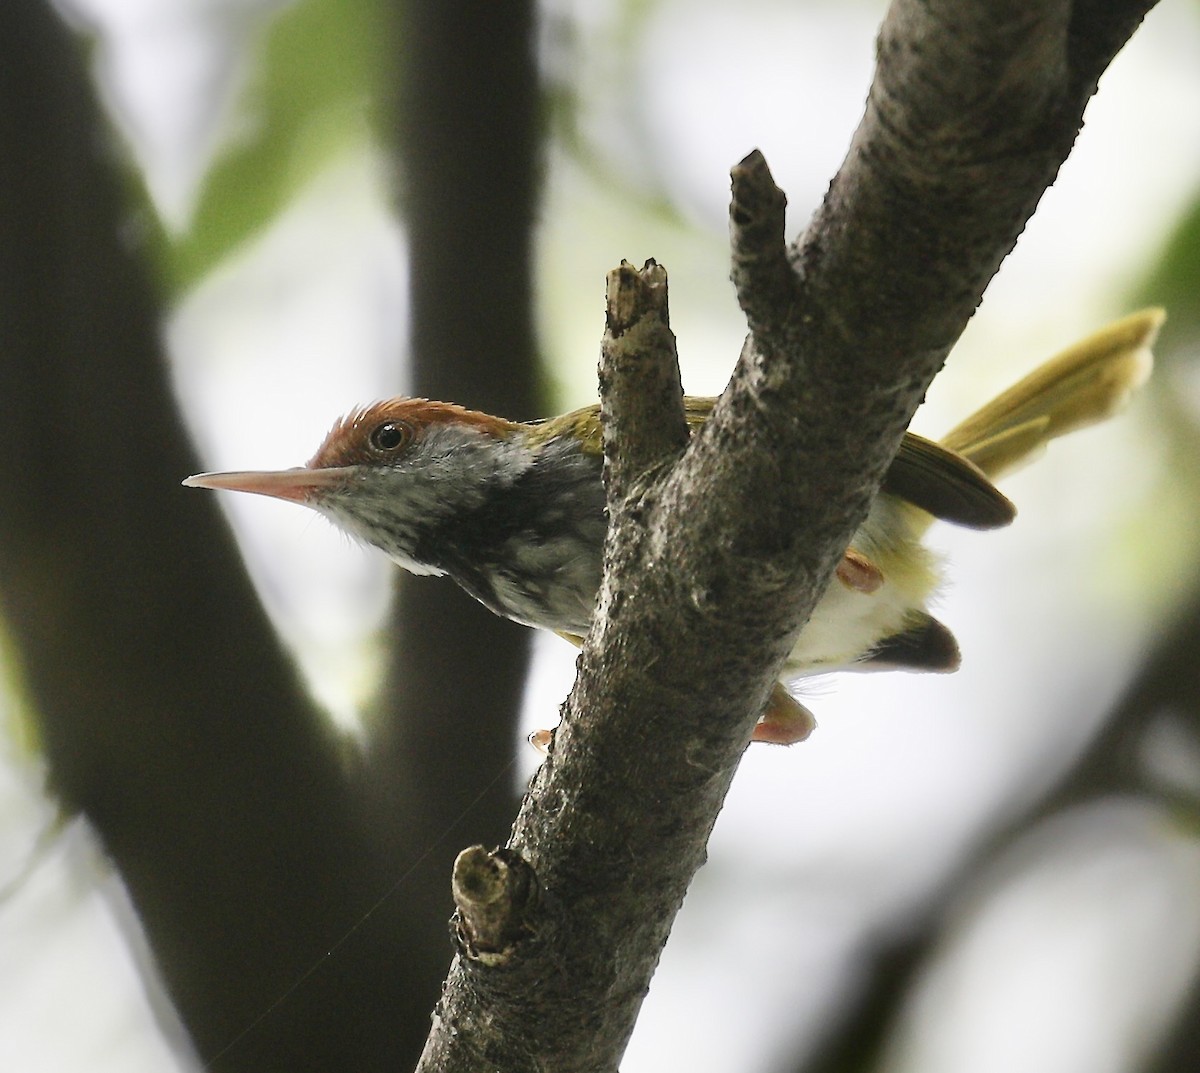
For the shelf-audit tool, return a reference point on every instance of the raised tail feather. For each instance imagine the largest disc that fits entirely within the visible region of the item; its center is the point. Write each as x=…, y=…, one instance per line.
x=1084, y=384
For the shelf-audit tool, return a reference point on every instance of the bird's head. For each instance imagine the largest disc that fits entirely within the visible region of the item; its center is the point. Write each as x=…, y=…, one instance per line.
x=391, y=473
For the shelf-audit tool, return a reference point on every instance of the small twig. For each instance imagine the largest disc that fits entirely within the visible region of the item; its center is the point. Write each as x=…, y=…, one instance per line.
x=641, y=395
x=761, y=274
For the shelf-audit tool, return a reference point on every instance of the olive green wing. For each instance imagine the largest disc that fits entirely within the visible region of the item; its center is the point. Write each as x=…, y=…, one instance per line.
x=946, y=485
x=938, y=480
x=1082, y=385
x=951, y=480
x=924, y=473
x=584, y=424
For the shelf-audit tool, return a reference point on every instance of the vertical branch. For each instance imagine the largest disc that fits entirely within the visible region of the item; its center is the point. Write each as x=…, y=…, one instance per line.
x=641, y=394
x=610, y=870
x=444, y=727
x=762, y=277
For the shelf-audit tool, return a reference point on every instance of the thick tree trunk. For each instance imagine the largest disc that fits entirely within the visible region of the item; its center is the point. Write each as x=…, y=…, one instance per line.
x=168, y=712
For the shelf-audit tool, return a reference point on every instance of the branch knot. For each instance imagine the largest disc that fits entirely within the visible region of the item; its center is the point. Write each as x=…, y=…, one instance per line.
x=496, y=894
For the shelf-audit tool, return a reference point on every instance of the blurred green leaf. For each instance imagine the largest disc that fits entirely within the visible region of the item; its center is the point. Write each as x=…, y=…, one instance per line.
x=1174, y=282
x=1160, y=536
x=320, y=79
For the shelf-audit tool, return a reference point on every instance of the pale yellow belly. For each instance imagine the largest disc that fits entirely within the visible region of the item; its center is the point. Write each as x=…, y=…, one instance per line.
x=848, y=623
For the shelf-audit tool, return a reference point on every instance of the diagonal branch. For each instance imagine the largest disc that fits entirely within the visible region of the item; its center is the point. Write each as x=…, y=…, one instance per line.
x=713, y=566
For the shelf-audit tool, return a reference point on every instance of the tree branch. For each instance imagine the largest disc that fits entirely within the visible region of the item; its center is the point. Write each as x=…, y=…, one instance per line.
x=168, y=712
x=708, y=582
x=640, y=390
x=466, y=127
x=761, y=276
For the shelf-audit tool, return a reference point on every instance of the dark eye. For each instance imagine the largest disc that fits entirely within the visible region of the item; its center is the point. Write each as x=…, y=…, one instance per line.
x=390, y=435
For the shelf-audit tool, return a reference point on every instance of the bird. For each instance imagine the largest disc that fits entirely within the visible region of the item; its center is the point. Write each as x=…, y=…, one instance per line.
x=515, y=513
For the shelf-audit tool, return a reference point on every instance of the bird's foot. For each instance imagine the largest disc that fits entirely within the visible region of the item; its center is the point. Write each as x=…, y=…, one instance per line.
x=785, y=721
x=857, y=572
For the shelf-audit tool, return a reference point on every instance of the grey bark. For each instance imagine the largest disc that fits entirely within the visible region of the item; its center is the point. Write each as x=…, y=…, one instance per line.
x=715, y=559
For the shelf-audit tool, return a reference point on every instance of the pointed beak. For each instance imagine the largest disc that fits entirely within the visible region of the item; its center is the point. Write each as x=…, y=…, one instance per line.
x=296, y=485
